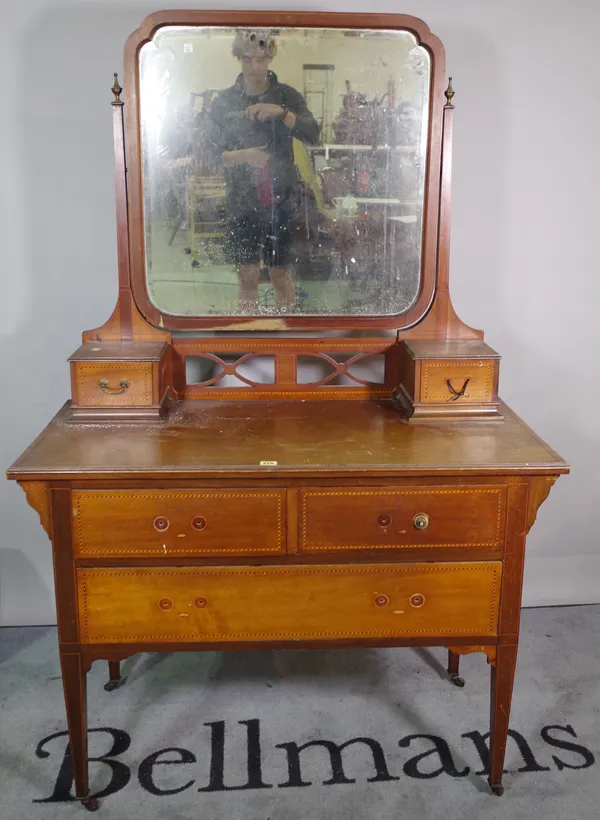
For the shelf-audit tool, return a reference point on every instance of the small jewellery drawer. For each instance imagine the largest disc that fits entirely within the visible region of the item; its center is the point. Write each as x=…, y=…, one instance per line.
x=347, y=518
x=116, y=383
x=158, y=605
x=466, y=381
x=167, y=523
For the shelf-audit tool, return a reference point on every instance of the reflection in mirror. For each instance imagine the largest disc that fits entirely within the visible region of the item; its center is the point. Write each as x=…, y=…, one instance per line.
x=283, y=170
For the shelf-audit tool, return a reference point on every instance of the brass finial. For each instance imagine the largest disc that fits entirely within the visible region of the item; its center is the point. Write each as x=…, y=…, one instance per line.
x=116, y=90
x=449, y=92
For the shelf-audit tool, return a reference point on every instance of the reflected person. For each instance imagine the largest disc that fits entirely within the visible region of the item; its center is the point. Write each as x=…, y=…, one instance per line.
x=254, y=123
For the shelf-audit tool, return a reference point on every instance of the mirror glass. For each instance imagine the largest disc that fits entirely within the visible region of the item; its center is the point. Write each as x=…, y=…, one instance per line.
x=283, y=170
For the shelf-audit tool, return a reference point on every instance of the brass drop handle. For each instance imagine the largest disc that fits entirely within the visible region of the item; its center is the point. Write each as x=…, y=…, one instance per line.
x=421, y=521
x=457, y=394
x=113, y=391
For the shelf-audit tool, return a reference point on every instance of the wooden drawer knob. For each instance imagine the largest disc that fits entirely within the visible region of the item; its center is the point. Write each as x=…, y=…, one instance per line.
x=417, y=600
x=381, y=599
x=198, y=523
x=161, y=523
x=384, y=520
x=165, y=603
x=201, y=603
x=421, y=521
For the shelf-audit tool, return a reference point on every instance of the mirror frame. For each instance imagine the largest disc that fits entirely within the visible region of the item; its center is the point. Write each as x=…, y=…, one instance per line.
x=274, y=19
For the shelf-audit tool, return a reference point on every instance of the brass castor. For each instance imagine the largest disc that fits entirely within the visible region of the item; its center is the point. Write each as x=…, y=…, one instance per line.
x=457, y=680
x=91, y=803
x=113, y=684
x=497, y=790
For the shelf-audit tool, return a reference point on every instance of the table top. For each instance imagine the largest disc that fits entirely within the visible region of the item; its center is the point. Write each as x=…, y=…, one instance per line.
x=319, y=438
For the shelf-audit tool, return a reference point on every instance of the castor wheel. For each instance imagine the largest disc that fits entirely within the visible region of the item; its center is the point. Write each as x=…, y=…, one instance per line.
x=195, y=263
x=91, y=803
x=497, y=790
x=187, y=250
x=457, y=680
x=111, y=685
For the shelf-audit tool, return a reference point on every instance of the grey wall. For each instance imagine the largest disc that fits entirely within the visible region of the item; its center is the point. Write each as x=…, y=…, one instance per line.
x=524, y=261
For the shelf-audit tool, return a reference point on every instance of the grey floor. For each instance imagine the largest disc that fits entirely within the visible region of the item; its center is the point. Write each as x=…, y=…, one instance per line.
x=254, y=710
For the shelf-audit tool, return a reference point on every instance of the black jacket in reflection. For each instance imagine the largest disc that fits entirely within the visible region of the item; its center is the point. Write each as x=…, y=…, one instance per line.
x=230, y=130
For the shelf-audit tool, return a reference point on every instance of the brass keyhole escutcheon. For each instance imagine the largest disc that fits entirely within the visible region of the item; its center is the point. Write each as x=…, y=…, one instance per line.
x=421, y=521
x=417, y=600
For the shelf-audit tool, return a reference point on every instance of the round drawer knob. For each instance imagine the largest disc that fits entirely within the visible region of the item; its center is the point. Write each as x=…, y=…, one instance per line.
x=421, y=521
x=384, y=520
x=198, y=523
x=161, y=523
x=381, y=600
x=165, y=603
x=417, y=600
x=201, y=603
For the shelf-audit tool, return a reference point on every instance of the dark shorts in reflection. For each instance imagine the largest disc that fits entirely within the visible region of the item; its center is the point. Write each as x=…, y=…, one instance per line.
x=262, y=235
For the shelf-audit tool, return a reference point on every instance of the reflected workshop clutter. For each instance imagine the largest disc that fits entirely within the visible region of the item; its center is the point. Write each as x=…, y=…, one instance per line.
x=283, y=171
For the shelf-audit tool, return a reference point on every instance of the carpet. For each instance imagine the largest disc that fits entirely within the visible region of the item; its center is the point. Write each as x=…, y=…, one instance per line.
x=308, y=734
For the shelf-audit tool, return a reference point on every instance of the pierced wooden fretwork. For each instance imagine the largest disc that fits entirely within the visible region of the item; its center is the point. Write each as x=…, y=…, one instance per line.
x=343, y=357
x=339, y=368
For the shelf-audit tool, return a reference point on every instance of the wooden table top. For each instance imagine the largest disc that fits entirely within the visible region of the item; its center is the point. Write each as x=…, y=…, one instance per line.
x=333, y=438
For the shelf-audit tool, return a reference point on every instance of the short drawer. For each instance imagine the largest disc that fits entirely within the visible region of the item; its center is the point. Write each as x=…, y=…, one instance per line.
x=465, y=381
x=122, y=384
x=156, y=604
x=167, y=523
x=401, y=517
x=115, y=381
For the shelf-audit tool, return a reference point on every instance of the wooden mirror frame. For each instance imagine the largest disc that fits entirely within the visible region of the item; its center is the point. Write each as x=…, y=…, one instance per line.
x=432, y=318
x=315, y=20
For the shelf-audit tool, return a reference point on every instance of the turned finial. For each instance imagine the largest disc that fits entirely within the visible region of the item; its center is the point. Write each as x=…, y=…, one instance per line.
x=449, y=92
x=116, y=90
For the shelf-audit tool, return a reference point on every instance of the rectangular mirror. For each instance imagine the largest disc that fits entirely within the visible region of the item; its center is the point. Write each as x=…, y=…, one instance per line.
x=283, y=170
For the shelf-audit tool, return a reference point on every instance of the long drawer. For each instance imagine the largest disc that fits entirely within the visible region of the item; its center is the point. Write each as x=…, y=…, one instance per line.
x=350, y=518
x=156, y=604
x=167, y=523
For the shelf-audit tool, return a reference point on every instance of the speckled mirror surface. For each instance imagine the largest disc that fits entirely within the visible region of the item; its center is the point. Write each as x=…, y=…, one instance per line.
x=283, y=170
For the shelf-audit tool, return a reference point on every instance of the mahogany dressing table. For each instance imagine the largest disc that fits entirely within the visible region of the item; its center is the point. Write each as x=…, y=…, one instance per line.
x=197, y=501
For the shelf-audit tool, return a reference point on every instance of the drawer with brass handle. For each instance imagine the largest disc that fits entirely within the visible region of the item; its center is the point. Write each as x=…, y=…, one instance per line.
x=167, y=523
x=119, y=380
x=241, y=603
x=448, y=380
x=350, y=518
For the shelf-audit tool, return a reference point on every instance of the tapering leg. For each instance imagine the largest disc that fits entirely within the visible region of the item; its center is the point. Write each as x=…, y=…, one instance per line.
x=453, y=662
x=503, y=675
x=114, y=676
x=74, y=684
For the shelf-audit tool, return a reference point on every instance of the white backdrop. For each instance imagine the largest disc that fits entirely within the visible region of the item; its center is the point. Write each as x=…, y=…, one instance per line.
x=524, y=260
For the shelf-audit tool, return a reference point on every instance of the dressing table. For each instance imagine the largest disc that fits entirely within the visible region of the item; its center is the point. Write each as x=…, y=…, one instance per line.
x=331, y=468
